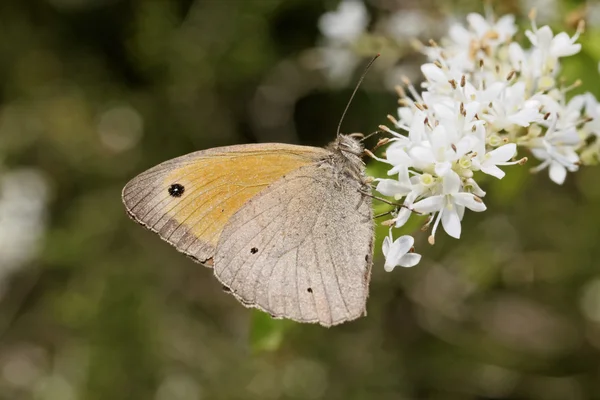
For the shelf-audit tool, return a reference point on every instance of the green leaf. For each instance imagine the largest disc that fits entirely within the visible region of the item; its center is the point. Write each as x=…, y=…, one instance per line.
x=267, y=333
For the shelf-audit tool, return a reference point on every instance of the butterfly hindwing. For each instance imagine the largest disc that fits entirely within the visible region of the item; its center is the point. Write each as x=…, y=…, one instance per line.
x=301, y=249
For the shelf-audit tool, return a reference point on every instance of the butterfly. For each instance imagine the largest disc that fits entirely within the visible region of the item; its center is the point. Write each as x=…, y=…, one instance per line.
x=287, y=229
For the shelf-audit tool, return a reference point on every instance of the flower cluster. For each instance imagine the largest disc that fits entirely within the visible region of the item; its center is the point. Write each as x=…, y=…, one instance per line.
x=484, y=100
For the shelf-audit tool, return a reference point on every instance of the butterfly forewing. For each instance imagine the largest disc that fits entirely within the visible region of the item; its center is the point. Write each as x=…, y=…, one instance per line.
x=189, y=199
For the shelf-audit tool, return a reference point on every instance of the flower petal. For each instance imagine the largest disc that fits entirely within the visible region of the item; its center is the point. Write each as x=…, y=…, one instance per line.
x=397, y=156
x=404, y=243
x=399, y=248
x=478, y=23
x=434, y=73
x=502, y=153
x=442, y=168
x=451, y=222
x=492, y=170
x=403, y=216
x=389, y=265
x=422, y=154
x=474, y=187
x=409, y=260
x=429, y=205
x=558, y=173
x=392, y=188
x=468, y=200
x=451, y=183
x=385, y=247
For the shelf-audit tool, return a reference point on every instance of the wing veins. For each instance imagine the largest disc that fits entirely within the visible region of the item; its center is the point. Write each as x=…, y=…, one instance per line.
x=335, y=270
x=324, y=287
x=237, y=254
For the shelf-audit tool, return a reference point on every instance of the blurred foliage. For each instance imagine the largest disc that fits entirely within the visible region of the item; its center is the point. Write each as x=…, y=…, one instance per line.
x=93, y=92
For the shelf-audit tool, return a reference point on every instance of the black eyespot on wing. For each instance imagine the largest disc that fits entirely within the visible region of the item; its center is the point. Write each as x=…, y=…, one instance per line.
x=226, y=289
x=176, y=190
x=309, y=290
x=254, y=250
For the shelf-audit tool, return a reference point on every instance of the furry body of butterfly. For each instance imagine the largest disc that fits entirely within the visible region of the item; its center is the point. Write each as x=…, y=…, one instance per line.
x=288, y=229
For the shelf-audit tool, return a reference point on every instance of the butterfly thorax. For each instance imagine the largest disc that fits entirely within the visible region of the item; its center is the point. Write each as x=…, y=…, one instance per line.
x=347, y=152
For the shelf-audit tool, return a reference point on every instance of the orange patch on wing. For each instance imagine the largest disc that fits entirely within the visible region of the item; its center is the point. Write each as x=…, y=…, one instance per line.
x=218, y=185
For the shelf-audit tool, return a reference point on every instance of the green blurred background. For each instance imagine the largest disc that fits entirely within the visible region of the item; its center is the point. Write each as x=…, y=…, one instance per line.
x=93, y=306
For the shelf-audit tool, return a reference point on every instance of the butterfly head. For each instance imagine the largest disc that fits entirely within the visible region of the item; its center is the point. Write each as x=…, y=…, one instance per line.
x=348, y=146
x=348, y=153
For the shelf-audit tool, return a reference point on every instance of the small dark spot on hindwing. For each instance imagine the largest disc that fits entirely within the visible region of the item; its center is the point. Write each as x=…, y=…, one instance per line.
x=254, y=250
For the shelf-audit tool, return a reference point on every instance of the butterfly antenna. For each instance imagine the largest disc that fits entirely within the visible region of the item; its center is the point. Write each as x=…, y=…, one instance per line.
x=355, y=90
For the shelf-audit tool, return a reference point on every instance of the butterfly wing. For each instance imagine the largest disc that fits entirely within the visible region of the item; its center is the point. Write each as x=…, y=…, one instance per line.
x=211, y=186
x=301, y=249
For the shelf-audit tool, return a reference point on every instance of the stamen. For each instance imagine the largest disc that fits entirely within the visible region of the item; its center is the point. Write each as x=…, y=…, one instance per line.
x=386, y=129
x=532, y=16
x=381, y=142
x=427, y=124
x=431, y=238
x=413, y=92
x=580, y=30
x=400, y=90
x=417, y=45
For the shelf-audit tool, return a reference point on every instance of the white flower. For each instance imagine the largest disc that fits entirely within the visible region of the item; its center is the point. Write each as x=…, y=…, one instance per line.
x=397, y=252
x=449, y=206
x=484, y=97
x=557, y=152
x=438, y=154
x=552, y=46
x=512, y=107
x=483, y=36
x=592, y=112
x=345, y=24
x=488, y=162
x=547, y=49
x=499, y=31
x=558, y=159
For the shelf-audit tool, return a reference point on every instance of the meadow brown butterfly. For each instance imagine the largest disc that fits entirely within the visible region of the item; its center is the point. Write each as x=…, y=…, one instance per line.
x=287, y=229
